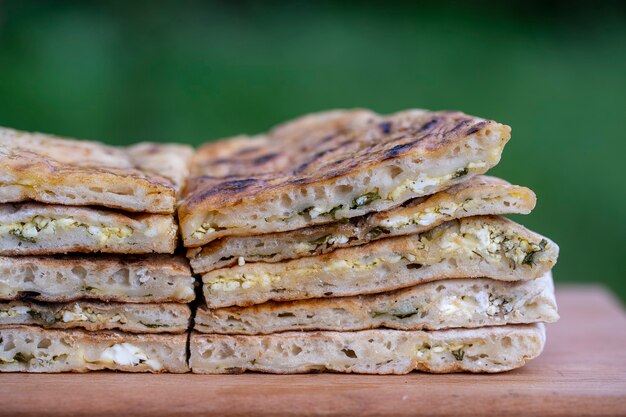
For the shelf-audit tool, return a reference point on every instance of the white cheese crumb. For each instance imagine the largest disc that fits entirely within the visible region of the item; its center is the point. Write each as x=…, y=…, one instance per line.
x=76, y=315
x=127, y=354
x=395, y=222
x=19, y=310
x=427, y=219
x=315, y=212
x=338, y=240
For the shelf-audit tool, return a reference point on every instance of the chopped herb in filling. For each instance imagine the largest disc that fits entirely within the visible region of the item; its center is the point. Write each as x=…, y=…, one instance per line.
x=458, y=354
x=529, y=258
x=365, y=199
x=399, y=314
x=460, y=173
x=377, y=231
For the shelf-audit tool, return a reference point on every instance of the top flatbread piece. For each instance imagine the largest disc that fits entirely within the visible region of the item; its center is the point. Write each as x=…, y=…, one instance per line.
x=331, y=166
x=146, y=177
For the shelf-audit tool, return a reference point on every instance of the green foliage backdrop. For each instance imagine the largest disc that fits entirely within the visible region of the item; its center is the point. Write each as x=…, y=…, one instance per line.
x=191, y=72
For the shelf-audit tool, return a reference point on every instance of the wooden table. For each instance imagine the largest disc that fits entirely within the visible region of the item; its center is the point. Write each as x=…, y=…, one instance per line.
x=581, y=372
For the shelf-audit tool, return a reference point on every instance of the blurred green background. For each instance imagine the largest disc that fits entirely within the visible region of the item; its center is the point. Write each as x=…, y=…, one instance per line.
x=191, y=72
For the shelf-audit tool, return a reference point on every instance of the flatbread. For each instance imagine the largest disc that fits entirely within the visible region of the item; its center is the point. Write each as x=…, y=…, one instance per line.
x=32, y=349
x=434, y=305
x=146, y=177
x=331, y=166
x=94, y=316
x=481, y=246
x=486, y=349
x=130, y=279
x=35, y=228
x=478, y=196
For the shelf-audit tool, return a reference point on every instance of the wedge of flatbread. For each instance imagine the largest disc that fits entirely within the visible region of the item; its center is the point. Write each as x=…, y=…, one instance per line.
x=486, y=349
x=434, y=305
x=94, y=316
x=130, y=279
x=145, y=177
x=33, y=349
x=331, y=166
x=482, y=246
x=478, y=196
x=35, y=228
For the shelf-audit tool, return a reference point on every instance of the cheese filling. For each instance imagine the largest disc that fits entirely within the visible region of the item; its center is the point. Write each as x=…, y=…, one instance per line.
x=87, y=314
x=126, y=354
x=39, y=225
x=471, y=240
x=424, y=218
x=426, y=352
x=15, y=311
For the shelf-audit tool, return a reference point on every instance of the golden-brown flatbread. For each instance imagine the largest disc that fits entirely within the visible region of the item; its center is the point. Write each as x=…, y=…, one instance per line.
x=146, y=177
x=36, y=228
x=480, y=246
x=436, y=305
x=33, y=349
x=130, y=279
x=95, y=316
x=480, y=195
x=331, y=166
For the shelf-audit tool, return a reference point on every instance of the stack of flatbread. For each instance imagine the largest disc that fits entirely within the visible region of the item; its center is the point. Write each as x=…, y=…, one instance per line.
x=353, y=242
x=88, y=275
x=344, y=241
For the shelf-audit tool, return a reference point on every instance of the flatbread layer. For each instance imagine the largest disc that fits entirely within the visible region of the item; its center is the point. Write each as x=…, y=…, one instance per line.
x=33, y=349
x=486, y=349
x=434, y=305
x=473, y=247
x=130, y=279
x=35, y=228
x=480, y=195
x=330, y=166
x=94, y=316
x=146, y=177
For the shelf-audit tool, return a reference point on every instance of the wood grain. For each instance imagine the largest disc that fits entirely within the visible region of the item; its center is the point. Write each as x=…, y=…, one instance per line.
x=582, y=372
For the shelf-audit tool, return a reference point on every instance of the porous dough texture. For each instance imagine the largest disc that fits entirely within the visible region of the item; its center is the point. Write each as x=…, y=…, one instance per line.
x=486, y=349
x=480, y=195
x=472, y=247
x=33, y=349
x=331, y=166
x=146, y=177
x=95, y=316
x=434, y=305
x=36, y=229
x=130, y=279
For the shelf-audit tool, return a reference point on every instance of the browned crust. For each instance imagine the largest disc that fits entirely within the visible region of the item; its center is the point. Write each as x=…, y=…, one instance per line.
x=33, y=160
x=315, y=150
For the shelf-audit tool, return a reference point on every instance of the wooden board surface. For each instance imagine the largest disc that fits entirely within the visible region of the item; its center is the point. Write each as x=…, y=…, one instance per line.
x=581, y=372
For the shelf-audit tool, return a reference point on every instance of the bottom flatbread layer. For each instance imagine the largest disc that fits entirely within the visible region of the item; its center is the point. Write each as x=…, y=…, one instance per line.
x=486, y=349
x=32, y=349
x=93, y=316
